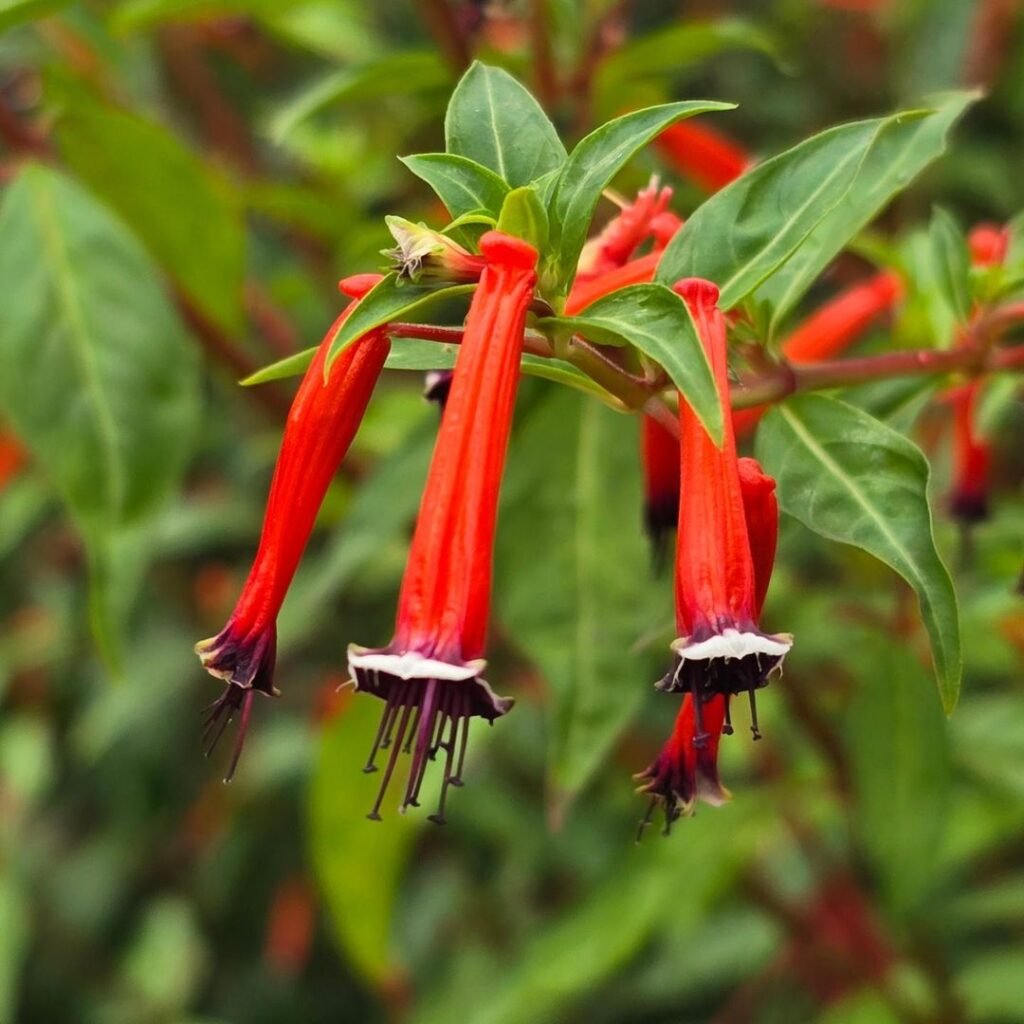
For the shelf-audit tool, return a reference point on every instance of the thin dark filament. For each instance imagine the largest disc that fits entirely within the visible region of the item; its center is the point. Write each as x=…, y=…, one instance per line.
x=647, y=818
x=700, y=737
x=386, y=720
x=243, y=728
x=456, y=779
x=414, y=729
x=424, y=728
x=220, y=714
x=438, y=818
x=755, y=731
x=374, y=815
x=727, y=726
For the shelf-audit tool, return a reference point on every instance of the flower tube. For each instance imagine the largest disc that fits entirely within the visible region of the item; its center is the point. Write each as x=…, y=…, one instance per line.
x=322, y=421
x=430, y=675
x=703, y=155
x=725, y=552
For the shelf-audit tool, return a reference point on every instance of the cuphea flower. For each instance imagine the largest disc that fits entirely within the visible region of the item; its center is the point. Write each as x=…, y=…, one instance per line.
x=725, y=551
x=703, y=155
x=972, y=458
x=988, y=244
x=660, y=462
x=625, y=233
x=323, y=419
x=423, y=255
x=833, y=328
x=430, y=675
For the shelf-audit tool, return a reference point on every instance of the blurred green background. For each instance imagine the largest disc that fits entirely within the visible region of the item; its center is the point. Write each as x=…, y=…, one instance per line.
x=231, y=161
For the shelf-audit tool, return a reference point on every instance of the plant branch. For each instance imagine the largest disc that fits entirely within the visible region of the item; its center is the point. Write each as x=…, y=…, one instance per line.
x=447, y=33
x=789, y=379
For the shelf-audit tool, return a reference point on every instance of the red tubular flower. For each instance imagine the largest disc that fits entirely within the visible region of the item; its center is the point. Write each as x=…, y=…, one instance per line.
x=702, y=154
x=12, y=457
x=660, y=462
x=725, y=552
x=322, y=421
x=430, y=674
x=972, y=457
x=831, y=329
x=624, y=234
x=589, y=289
x=988, y=244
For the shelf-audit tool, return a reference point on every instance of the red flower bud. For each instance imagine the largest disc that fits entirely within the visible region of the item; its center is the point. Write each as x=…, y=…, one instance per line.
x=430, y=674
x=725, y=551
x=660, y=462
x=702, y=154
x=323, y=419
x=972, y=458
x=988, y=245
x=624, y=234
x=831, y=329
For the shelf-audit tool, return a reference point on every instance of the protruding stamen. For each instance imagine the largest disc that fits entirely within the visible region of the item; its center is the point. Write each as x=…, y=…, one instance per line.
x=243, y=727
x=754, y=730
x=374, y=815
x=464, y=720
x=438, y=818
x=727, y=724
x=647, y=818
x=385, y=721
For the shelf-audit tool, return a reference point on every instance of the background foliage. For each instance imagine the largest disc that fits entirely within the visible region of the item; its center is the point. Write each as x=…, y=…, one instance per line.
x=201, y=175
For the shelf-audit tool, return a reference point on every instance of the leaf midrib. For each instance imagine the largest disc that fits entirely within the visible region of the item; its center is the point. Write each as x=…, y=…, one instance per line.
x=49, y=225
x=822, y=455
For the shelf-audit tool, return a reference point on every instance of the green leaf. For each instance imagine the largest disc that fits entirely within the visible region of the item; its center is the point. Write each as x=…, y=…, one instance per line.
x=655, y=320
x=596, y=159
x=850, y=478
x=407, y=73
x=901, y=150
x=675, y=49
x=15, y=936
x=290, y=366
x=342, y=842
x=391, y=299
x=952, y=263
x=96, y=375
x=899, y=756
x=523, y=216
x=744, y=233
x=554, y=976
x=182, y=211
x=15, y=12
x=463, y=185
x=494, y=120
x=571, y=490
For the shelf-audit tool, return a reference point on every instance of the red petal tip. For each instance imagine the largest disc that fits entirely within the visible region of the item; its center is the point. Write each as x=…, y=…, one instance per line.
x=497, y=247
x=357, y=285
x=697, y=292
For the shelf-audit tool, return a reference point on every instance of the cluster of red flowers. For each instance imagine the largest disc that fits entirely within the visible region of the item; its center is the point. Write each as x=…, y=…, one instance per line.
x=723, y=507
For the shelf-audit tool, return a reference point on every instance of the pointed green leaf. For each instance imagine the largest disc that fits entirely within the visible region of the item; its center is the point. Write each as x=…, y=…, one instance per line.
x=899, y=755
x=463, y=185
x=571, y=490
x=902, y=149
x=744, y=233
x=14, y=12
x=181, y=209
x=392, y=299
x=407, y=73
x=596, y=159
x=523, y=216
x=850, y=478
x=494, y=120
x=655, y=320
x=96, y=374
x=952, y=263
